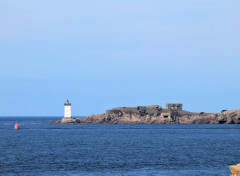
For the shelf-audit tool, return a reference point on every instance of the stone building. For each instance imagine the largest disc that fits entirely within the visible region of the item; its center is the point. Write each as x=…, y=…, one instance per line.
x=166, y=115
x=142, y=110
x=171, y=111
x=173, y=106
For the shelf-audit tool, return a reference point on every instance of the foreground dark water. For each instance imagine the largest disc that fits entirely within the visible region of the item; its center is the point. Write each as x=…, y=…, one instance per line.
x=42, y=149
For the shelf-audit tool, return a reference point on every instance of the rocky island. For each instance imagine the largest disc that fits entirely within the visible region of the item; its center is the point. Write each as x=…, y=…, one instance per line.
x=155, y=114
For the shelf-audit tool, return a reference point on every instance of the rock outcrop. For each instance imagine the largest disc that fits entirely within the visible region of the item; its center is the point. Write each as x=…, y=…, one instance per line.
x=173, y=114
x=235, y=170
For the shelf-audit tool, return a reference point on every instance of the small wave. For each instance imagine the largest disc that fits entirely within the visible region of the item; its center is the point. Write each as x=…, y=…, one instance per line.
x=7, y=123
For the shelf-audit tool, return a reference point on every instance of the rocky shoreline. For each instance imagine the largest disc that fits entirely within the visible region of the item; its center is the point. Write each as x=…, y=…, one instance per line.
x=173, y=114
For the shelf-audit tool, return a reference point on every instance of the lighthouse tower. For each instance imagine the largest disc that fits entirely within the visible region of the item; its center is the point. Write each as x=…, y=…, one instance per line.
x=67, y=110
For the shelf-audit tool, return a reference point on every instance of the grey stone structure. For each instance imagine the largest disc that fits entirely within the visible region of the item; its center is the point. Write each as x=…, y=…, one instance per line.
x=171, y=111
x=166, y=115
x=174, y=106
x=154, y=109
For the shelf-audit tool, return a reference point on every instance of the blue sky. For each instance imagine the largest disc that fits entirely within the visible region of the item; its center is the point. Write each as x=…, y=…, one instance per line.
x=105, y=54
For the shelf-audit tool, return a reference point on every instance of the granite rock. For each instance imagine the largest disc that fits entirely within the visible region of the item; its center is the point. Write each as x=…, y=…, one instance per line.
x=235, y=170
x=156, y=115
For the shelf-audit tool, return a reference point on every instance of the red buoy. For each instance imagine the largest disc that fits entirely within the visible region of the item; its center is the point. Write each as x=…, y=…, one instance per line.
x=16, y=127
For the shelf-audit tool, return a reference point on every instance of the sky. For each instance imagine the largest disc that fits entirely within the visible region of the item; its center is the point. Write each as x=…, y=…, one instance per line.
x=114, y=53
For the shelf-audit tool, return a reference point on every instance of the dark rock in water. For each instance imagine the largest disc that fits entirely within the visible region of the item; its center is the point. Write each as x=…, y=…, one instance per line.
x=55, y=122
x=222, y=121
x=173, y=114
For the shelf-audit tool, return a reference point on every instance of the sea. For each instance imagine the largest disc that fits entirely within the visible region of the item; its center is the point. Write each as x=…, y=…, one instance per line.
x=41, y=149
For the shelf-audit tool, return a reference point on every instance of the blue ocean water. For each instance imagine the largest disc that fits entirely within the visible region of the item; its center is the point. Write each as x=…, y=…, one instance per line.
x=143, y=149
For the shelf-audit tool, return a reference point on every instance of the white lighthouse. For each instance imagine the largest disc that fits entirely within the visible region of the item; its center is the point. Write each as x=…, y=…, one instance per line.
x=67, y=110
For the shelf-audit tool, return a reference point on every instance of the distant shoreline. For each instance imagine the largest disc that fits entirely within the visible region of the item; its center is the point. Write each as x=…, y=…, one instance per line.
x=155, y=114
